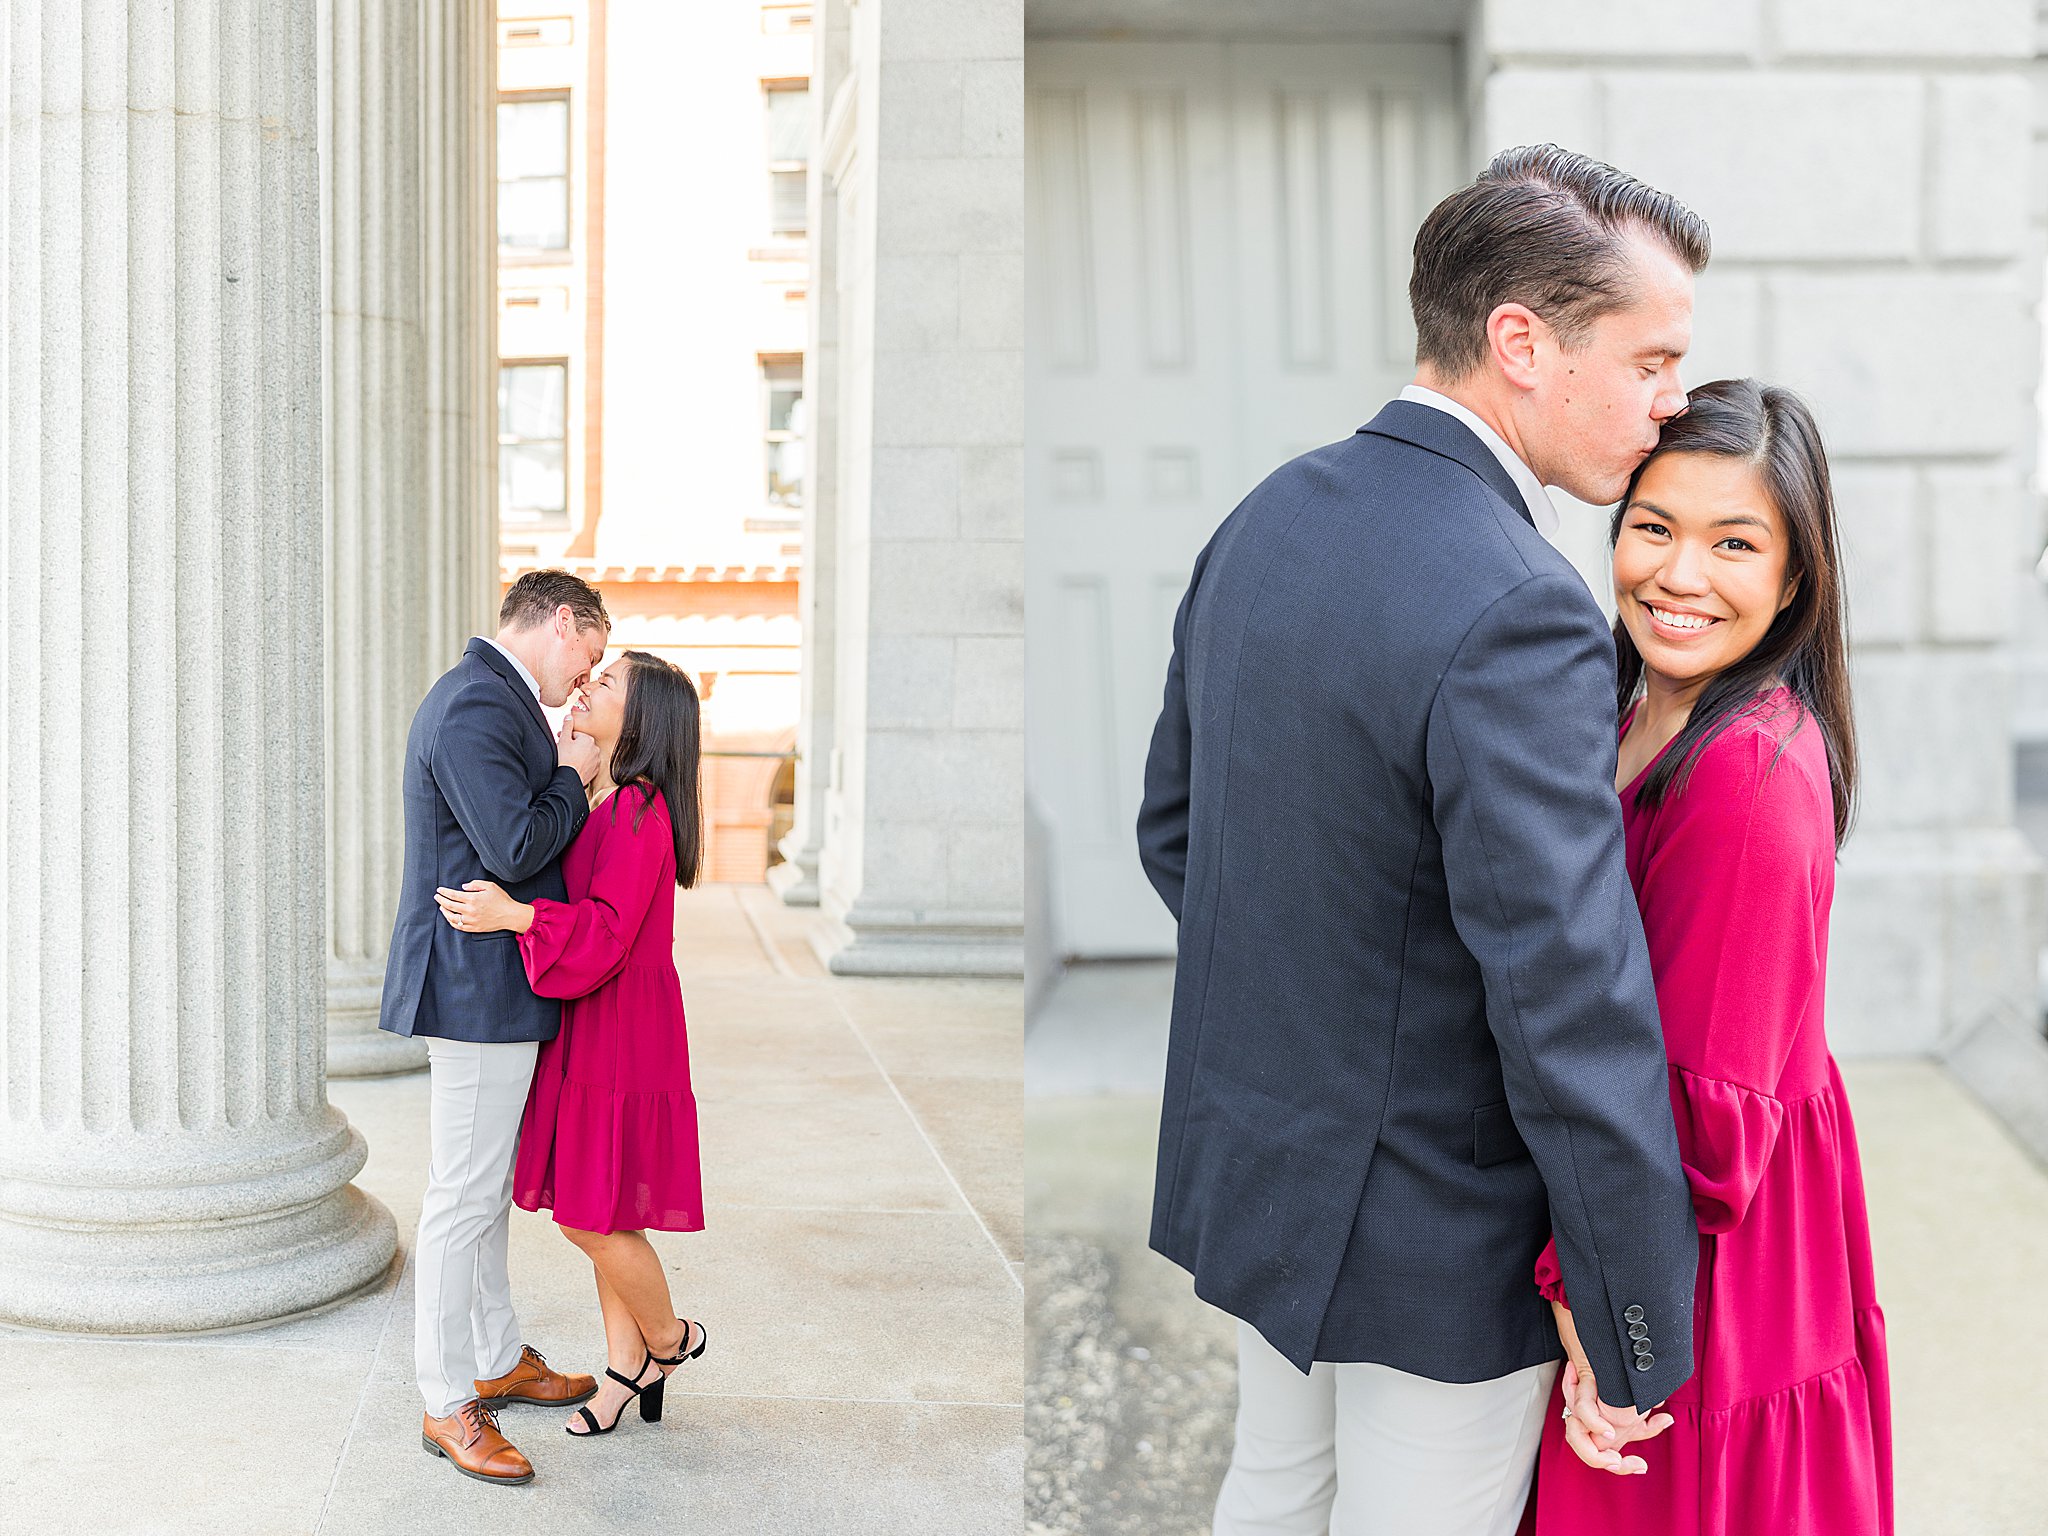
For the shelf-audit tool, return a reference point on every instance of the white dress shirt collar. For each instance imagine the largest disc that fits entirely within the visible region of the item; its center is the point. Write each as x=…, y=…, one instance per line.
x=526, y=677
x=1538, y=499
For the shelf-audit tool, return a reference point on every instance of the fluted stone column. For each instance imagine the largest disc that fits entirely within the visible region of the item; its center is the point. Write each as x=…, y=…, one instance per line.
x=409, y=516
x=168, y=1158
x=795, y=880
x=458, y=136
x=376, y=473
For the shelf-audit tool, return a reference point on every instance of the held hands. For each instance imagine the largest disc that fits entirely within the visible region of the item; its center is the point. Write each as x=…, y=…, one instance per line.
x=1596, y=1431
x=575, y=750
x=481, y=907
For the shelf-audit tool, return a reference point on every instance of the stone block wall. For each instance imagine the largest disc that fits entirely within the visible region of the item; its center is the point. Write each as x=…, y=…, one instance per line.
x=920, y=865
x=1868, y=170
x=2030, y=720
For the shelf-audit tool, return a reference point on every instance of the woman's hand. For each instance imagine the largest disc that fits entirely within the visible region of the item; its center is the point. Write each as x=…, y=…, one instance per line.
x=481, y=907
x=1594, y=1430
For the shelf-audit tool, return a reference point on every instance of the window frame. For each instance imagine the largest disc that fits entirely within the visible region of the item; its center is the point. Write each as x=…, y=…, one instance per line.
x=784, y=85
x=771, y=438
x=533, y=519
x=540, y=255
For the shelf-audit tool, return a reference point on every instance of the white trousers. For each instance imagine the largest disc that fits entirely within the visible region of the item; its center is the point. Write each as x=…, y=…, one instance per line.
x=464, y=1328
x=1366, y=1450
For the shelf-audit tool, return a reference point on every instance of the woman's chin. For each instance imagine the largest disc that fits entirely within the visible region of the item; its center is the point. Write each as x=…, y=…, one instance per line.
x=1672, y=665
x=1679, y=671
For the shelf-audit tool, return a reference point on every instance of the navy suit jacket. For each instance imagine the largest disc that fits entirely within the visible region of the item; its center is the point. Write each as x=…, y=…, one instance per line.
x=485, y=799
x=1413, y=1027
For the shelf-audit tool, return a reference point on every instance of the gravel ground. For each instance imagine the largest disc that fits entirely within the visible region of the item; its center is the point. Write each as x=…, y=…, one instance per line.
x=1129, y=1437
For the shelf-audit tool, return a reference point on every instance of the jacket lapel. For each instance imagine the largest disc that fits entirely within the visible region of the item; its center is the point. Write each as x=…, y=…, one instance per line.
x=1441, y=433
x=494, y=658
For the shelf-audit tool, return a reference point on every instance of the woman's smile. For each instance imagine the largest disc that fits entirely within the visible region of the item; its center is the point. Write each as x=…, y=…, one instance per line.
x=1676, y=623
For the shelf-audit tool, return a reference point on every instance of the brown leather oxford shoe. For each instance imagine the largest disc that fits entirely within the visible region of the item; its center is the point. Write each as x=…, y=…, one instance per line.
x=469, y=1438
x=533, y=1380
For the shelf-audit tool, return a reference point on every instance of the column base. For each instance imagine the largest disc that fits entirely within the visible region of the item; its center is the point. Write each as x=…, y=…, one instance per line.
x=356, y=1047
x=874, y=942
x=374, y=1053
x=188, y=1257
x=795, y=880
x=1932, y=934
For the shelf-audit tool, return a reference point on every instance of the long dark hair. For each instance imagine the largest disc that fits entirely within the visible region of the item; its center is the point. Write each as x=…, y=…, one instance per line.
x=1806, y=649
x=660, y=747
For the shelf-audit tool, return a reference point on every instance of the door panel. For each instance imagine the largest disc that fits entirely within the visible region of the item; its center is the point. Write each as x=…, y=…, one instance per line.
x=1216, y=281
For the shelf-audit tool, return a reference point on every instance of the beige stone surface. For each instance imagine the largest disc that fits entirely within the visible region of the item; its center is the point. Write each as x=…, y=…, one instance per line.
x=864, y=1368
x=1959, y=1221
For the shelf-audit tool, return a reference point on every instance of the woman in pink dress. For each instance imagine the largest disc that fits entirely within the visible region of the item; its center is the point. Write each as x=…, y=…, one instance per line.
x=609, y=1141
x=1737, y=775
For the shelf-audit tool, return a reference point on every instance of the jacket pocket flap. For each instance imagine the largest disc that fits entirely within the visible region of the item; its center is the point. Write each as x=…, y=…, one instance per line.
x=1494, y=1137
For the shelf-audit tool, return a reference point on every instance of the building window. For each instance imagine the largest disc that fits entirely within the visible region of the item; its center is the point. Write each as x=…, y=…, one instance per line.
x=782, y=379
x=789, y=149
x=533, y=174
x=533, y=486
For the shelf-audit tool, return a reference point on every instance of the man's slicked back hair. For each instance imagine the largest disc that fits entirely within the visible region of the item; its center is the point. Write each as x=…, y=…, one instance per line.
x=1544, y=227
x=535, y=596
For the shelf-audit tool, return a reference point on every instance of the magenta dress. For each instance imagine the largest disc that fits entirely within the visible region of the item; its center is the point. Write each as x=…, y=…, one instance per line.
x=609, y=1140
x=1785, y=1425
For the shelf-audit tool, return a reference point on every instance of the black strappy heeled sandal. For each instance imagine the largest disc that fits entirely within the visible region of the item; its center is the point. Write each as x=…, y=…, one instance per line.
x=633, y=1387
x=651, y=1394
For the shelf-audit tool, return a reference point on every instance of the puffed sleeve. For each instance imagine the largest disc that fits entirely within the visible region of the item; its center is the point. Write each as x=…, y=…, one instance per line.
x=575, y=947
x=1550, y=1275
x=1732, y=904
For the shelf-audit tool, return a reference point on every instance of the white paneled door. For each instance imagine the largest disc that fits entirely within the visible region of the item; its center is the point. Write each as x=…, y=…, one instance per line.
x=1217, y=281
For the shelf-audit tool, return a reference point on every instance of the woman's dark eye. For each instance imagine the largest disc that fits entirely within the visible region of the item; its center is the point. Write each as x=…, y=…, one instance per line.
x=1743, y=544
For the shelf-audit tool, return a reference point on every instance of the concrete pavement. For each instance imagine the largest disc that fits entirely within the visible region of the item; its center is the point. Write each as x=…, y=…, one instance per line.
x=859, y=1277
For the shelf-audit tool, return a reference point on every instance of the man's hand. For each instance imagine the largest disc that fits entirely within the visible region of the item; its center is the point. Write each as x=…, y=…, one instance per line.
x=1596, y=1431
x=575, y=750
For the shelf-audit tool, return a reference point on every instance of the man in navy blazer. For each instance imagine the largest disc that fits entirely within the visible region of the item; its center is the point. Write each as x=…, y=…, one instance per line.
x=1414, y=1031
x=491, y=793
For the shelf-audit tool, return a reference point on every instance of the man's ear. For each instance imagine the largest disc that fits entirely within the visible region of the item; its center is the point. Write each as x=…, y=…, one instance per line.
x=1512, y=336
